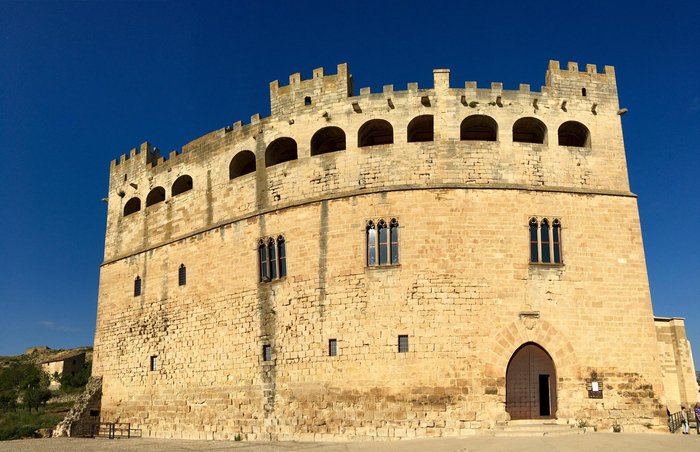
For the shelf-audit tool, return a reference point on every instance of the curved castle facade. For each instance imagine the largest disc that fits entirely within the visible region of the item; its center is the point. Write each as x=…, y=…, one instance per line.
x=426, y=262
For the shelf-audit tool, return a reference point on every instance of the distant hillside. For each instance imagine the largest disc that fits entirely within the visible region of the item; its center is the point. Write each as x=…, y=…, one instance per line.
x=40, y=354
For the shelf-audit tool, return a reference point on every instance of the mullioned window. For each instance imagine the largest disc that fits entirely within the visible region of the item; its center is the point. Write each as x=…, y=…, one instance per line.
x=545, y=240
x=382, y=241
x=272, y=258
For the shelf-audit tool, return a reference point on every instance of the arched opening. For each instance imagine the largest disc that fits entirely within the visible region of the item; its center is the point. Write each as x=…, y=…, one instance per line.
x=573, y=133
x=155, y=196
x=132, y=206
x=375, y=132
x=478, y=128
x=241, y=164
x=420, y=129
x=529, y=130
x=328, y=139
x=181, y=185
x=531, y=384
x=281, y=150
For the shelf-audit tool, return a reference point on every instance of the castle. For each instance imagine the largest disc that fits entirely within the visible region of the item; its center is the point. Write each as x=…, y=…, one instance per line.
x=427, y=262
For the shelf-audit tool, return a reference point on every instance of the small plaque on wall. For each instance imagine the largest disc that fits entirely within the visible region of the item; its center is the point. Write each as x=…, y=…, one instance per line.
x=595, y=390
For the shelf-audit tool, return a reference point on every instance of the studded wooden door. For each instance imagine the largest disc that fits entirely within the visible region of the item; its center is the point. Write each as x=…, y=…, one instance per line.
x=531, y=391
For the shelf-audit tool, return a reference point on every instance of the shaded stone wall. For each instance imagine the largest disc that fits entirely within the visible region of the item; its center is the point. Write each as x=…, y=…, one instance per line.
x=677, y=364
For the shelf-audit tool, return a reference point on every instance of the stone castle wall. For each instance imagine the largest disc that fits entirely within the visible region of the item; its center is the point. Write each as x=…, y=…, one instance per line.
x=677, y=364
x=464, y=291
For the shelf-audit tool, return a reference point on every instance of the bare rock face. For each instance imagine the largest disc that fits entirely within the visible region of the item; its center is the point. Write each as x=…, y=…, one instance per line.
x=79, y=417
x=43, y=433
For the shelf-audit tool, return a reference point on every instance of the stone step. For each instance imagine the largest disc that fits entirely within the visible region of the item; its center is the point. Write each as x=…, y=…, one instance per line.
x=535, y=428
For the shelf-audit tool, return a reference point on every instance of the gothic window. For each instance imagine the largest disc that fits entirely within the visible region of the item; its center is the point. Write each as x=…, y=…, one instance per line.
x=282, y=256
x=371, y=244
x=556, y=245
x=137, y=286
x=545, y=241
x=272, y=255
x=534, y=242
x=394, y=244
x=382, y=242
x=182, y=275
x=132, y=206
x=262, y=261
x=272, y=258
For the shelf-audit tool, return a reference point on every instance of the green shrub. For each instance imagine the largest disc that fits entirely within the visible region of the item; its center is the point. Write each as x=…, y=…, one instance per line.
x=69, y=383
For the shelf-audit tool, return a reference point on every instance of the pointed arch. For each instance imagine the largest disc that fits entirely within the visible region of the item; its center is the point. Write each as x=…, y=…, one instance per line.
x=531, y=383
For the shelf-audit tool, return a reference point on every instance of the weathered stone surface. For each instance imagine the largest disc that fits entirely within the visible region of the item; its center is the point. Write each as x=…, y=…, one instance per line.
x=464, y=291
x=79, y=419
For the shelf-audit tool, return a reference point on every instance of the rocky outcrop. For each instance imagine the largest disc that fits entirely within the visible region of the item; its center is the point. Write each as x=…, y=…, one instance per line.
x=84, y=412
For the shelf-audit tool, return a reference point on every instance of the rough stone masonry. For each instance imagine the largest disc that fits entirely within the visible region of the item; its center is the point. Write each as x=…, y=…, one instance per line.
x=401, y=264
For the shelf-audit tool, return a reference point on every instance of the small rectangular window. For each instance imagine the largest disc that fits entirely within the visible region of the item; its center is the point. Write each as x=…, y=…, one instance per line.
x=182, y=275
x=137, y=286
x=153, y=363
x=267, y=353
x=403, y=343
x=332, y=347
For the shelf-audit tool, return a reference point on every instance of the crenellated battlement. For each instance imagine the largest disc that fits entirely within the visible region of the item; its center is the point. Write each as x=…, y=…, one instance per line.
x=299, y=93
x=329, y=95
x=567, y=136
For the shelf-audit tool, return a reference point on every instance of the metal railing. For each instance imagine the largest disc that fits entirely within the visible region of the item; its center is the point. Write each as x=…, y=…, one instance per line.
x=114, y=430
x=675, y=420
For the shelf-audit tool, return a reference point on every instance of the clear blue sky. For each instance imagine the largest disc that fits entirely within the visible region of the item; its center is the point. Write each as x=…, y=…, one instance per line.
x=83, y=82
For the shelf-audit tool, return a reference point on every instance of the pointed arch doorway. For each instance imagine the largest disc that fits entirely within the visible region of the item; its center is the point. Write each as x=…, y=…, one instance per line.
x=531, y=384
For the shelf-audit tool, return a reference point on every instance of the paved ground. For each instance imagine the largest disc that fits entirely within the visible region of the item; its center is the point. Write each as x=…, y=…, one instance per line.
x=597, y=442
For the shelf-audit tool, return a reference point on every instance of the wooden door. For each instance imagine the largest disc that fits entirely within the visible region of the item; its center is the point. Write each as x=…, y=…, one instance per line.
x=531, y=384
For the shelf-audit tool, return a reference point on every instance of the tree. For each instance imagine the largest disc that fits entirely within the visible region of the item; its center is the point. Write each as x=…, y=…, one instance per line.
x=36, y=397
x=8, y=401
